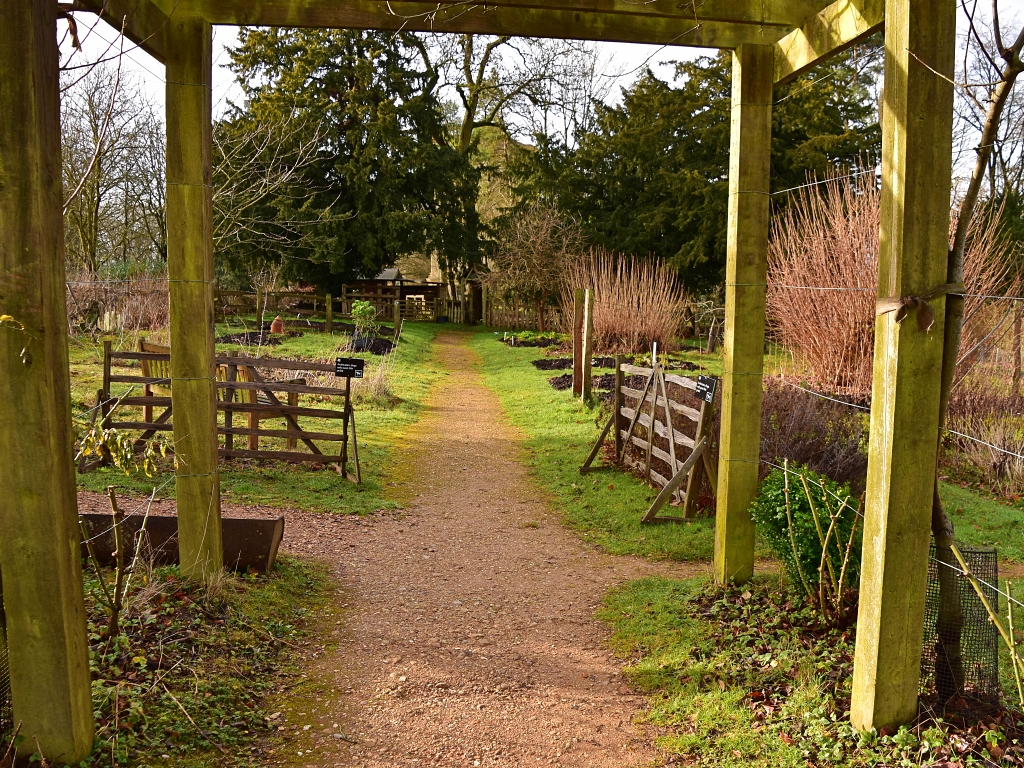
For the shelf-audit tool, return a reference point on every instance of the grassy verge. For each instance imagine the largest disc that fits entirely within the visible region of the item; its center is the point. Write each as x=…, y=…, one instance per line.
x=746, y=677
x=272, y=483
x=605, y=507
x=186, y=682
x=985, y=521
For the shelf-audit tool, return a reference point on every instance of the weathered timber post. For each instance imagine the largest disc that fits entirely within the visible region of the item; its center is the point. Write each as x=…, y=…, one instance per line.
x=190, y=276
x=39, y=546
x=329, y=310
x=745, y=276
x=588, y=342
x=913, y=247
x=577, y=343
x=620, y=381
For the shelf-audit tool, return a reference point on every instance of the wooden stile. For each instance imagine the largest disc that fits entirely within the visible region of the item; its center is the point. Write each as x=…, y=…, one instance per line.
x=644, y=414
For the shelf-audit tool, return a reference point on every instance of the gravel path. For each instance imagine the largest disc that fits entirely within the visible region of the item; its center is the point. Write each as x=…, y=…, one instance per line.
x=465, y=632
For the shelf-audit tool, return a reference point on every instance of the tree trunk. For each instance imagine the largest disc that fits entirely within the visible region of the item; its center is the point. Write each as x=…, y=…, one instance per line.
x=949, y=672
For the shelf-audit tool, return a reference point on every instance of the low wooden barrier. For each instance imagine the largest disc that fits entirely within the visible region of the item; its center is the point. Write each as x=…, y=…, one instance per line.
x=644, y=425
x=241, y=388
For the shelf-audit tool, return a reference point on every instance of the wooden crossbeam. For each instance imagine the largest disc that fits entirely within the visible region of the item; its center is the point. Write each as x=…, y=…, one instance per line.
x=730, y=24
x=143, y=22
x=830, y=31
x=791, y=13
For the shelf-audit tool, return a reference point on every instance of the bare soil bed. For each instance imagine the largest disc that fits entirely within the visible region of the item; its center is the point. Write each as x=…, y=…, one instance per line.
x=463, y=633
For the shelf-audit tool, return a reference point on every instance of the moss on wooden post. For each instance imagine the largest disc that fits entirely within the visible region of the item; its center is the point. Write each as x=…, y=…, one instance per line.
x=588, y=343
x=329, y=313
x=577, y=342
x=913, y=248
x=190, y=273
x=39, y=536
x=746, y=269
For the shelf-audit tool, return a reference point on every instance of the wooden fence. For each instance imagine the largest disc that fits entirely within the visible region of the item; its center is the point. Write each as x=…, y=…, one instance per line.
x=520, y=317
x=646, y=428
x=241, y=388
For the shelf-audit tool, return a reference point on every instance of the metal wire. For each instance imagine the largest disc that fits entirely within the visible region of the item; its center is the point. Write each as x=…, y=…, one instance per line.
x=6, y=704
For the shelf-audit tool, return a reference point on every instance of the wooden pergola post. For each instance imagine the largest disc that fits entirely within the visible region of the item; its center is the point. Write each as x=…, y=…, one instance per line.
x=39, y=535
x=745, y=278
x=190, y=277
x=917, y=121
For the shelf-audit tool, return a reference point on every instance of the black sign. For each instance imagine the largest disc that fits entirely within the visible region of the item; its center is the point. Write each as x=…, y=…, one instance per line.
x=349, y=367
x=706, y=386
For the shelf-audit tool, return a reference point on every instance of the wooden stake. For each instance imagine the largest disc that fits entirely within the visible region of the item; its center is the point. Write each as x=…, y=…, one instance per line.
x=620, y=382
x=587, y=333
x=920, y=45
x=190, y=278
x=577, y=343
x=746, y=268
x=329, y=310
x=40, y=540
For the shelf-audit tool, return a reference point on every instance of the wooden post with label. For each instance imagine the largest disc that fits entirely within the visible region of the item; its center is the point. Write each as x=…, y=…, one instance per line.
x=44, y=608
x=917, y=118
x=745, y=281
x=190, y=281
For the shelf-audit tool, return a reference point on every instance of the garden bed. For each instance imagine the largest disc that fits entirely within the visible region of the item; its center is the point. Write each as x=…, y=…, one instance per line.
x=751, y=676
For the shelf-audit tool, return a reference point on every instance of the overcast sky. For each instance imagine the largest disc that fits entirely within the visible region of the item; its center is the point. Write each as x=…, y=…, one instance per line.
x=625, y=61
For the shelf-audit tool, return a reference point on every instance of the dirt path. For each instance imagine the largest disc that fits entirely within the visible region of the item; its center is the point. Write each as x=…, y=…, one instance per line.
x=464, y=630
x=469, y=637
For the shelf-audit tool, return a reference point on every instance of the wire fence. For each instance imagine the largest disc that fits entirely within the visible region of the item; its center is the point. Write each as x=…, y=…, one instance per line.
x=6, y=704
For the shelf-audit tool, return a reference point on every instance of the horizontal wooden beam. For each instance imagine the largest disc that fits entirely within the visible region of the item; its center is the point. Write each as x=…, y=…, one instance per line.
x=834, y=29
x=605, y=20
x=143, y=22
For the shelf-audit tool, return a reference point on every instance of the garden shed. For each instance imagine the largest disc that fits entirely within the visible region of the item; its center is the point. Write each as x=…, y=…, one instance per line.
x=772, y=41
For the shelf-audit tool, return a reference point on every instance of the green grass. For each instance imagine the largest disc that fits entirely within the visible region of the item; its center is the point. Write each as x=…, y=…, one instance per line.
x=271, y=483
x=217, y=653
x=982, y=521
x=746, y=677
x=605, y=507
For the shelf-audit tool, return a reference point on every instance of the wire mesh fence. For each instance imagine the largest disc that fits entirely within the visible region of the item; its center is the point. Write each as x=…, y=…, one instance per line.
x=6, y=708
x=979, y=638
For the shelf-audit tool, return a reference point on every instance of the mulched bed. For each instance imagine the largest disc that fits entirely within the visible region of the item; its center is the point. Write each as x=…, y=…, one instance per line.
x=565, y=363
x=544, y=341
x=264, y=338
x=604, y=381
x=374, y=345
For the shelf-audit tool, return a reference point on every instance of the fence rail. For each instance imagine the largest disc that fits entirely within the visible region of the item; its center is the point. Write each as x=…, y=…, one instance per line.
x=644, y=431
x=240, y=389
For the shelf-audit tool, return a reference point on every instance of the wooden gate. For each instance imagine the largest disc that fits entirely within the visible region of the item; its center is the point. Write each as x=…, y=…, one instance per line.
x=241, y=388
x=644, y=424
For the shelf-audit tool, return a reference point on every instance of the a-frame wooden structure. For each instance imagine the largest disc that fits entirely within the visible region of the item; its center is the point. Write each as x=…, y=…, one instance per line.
x=772, y=41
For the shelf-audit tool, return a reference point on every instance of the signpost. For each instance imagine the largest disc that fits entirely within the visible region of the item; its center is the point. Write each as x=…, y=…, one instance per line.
x=706, y=386
x=349, y=368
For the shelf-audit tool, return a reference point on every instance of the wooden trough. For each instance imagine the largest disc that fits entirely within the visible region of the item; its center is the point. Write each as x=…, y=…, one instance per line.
x=250, y=544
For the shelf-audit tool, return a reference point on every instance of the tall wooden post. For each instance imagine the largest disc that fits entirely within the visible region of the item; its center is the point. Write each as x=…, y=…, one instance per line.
x=39, y=535
x=329, y=313
x=745, y=276
x=577, y=343
x=620, y=380
x=190, y=276
x=588, y=343
x=912, y=260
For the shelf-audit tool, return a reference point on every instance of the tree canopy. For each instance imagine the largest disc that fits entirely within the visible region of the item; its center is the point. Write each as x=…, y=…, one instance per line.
x=381, y=179
x=651, y=177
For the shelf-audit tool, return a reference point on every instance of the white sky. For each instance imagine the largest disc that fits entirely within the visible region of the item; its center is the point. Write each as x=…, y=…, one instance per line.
x=102, y=41
x=625, y=58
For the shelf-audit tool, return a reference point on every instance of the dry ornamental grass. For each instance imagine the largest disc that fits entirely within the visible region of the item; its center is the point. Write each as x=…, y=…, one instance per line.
x=636, y=301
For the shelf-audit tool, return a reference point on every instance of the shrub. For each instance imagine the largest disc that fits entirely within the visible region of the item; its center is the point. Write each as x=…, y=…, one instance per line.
x=823, y=274
x=827, y=437
x=364, y=317
x=801, y=514
x=636, y=301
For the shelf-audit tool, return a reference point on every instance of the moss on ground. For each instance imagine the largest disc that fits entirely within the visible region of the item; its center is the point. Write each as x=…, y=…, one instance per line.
x=312, y=487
